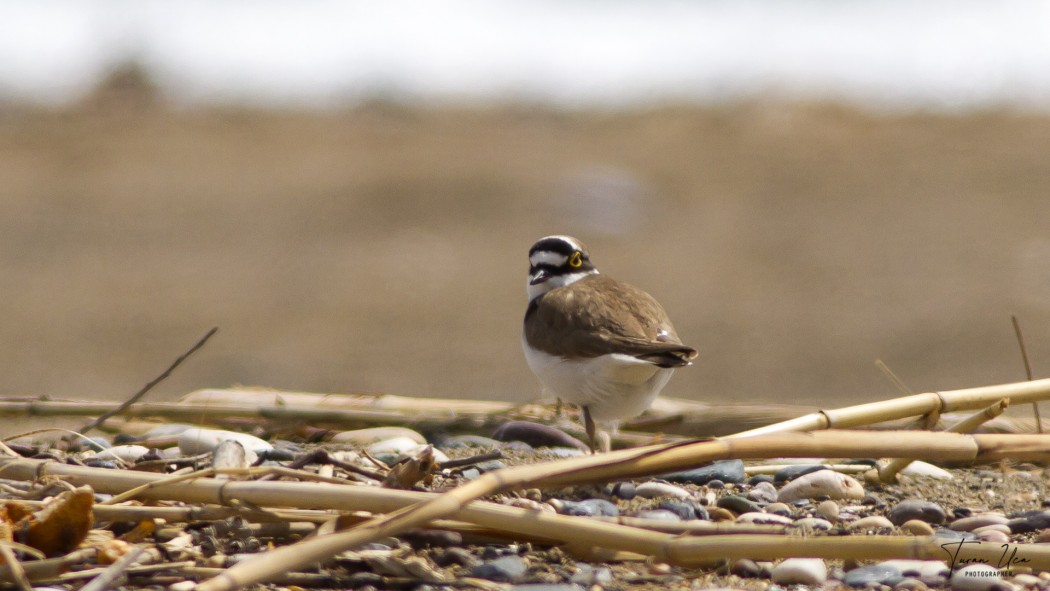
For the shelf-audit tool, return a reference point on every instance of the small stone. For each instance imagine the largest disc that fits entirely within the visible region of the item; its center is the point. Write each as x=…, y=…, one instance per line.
x=489, y=466
x=779, y=509
x=683, y=510
x=507, y=569
x=537, y=435
x=587, y=574
x=871, y=523
x=124, y=453
x=827, y=509
x=1001, y=527
x=180, y=586
x=978, y=521
x=789, y=473
x=738, y=504
x=821, y=483
x=724, y=470
x=655, y=489
x=951, y=534
x=457, y=556
x=1031, y=522
x=660, y=568
x=920, y=468
x=910, y=585
x=745, y=569
x=231, y=455
x=624, y=490
x=716, y=484
x=587, y=508
x=863, y=576
x=996, y=537
x=196, y=441
x=763, y=492
x=760, y=518
x=916, y=509
x=658, y=515
x=813, y=524
x=366, y=437
x=394, y=445
x=930, y=572
x=461, y=441
x=976, y=577
x=917, y=527
x=760, y=478
x=800, y=571
x=720, y=514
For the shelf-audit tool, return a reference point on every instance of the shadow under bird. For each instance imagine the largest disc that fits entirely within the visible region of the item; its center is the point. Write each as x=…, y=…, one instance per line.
x=602, y=344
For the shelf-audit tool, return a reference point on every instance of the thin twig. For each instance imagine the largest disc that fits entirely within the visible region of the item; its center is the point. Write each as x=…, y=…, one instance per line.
x=111, y=575
x=17, y=572
x=892, y=377
x=152, y=383
x=1027, y=369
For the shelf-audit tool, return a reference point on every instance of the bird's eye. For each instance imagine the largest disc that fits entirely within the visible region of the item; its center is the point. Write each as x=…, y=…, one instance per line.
x=575, y=260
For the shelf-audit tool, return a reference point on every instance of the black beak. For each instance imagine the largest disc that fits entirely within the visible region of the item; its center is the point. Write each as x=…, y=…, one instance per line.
x=540, y=276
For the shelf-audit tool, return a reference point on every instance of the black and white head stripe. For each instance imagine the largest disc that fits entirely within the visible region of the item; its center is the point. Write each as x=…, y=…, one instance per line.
x=555, y=252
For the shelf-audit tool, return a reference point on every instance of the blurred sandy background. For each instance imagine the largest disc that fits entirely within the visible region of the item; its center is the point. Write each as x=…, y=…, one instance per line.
x=381, y=247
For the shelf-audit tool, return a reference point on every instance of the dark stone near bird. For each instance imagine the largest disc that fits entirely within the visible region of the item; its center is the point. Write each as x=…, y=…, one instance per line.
x=507, y=569
x=537, y=435
x=760, y=478
x=738, y=504
x=460, y=441
x=724, y=470
x=682, y=509
x=588, y=508
x=882, y=574
x=789, y=473
x=456, y=556
x=659, y=515
x=1032, y=522
x=746, y=568
x=624, y=490
x=916, y=509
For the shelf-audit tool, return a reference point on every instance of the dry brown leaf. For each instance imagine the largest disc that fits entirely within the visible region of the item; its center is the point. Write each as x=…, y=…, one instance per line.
x=143, y=530
x=417, y=468
x=62, y=525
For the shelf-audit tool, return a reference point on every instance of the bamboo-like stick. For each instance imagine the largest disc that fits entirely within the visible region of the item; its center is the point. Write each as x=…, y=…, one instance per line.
x=888, y=472
x=908, y=406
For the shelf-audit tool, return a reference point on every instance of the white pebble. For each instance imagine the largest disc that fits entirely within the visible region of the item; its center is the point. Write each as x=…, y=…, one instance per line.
x=397, y=445
x=198, y=441
x=800, y=571
x=828, y=510
x=372, y=435
x=183, y=586
x=656, y=489
x=821, y=483
x=920, y=468
x=764, y=518
x=873, y=522
x=977, y=577
x=231, y=455
x=124, y=453
x=813, y=524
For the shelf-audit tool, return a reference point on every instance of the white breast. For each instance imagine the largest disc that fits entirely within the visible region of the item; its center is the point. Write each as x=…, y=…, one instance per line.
x=613, y=386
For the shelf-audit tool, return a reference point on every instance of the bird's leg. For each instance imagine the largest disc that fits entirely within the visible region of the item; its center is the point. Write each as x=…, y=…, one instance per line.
x=588, y=424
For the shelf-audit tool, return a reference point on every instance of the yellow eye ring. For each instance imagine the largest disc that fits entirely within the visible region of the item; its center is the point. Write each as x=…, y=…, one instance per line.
x=575, y=260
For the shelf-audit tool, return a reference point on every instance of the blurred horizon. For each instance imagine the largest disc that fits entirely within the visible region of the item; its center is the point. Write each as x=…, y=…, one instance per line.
x=896, y=55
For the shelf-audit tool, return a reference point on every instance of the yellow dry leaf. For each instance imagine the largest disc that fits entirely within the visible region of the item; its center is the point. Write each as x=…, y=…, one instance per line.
x=59, y=527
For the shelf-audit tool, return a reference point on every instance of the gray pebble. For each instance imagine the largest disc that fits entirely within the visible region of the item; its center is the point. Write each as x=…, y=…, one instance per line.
x=763, y=492
x=789, y=473
x=460, y=441
x=738, y=504
x=587, y=508
x=682, y=509
x=916, y=509
x=745, y=569
x=1031, y=522
x=507, y=569
x=624, y=490
x=874, y=573
x=457, y=556
x=490, y=466
x=724, y=470
x=658, y=515
x=760, y=478
x=537, y=435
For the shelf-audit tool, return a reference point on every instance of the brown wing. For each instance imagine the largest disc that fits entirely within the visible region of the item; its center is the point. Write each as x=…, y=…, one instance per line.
x=598, y=315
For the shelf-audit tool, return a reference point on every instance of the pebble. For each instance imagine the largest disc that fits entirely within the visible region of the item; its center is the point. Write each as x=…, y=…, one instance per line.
x=821, y=483
x=978, y=521
x=760, y=478
x=624, y=490
x=760, y=518
x=530, y=505
x=1035, y=521
x=881, y=573
x=587, y=574
x=461, y=441
x=457, y=556
x=125, y=453
x=814, y=524
x=394, y=445
x=800, y=571
x=910, y=585
x=763, y=492
x=231, y=455
x=930, y=572
x=916, y=509
x=951, y=534
x=537, y=435
x=920, y=468
x=976, y=577
x=996, y=537
x=658, y=515
x=587, y=508
x=195, y=440
x=871, y=523
x=655, y=489
x=489, y=466
x=365, y=437
x=827, y=509
x=506, y=569
x=683, y=510
x=994, y=527
x=738, y=504
x=779, y=509
x=745, y=568
x=917, y=527
x=789, y=473
x=724, y=470
x=720, y=514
